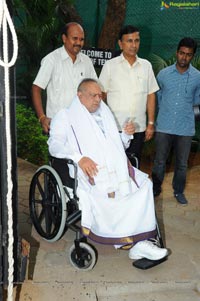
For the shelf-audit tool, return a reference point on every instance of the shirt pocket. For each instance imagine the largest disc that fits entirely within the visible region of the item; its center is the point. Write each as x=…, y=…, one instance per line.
x=142, y=84
x=189, y=94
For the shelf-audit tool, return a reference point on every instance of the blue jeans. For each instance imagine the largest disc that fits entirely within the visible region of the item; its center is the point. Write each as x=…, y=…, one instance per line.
x=181, y=146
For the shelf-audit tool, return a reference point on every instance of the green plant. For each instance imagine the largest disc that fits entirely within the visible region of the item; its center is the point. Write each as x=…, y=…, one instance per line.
x=31, y=143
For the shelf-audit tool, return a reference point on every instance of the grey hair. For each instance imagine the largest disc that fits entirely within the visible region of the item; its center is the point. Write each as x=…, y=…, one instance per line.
x=81, y=86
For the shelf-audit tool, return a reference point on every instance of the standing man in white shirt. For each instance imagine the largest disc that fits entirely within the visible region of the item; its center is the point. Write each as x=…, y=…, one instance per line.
x=130, y=86
x=60, y=73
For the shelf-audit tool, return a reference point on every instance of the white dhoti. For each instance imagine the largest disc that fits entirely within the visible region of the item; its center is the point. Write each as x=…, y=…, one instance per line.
x=121, y=220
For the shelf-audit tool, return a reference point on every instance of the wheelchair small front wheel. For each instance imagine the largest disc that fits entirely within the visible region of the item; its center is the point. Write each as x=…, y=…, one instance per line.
x=85, y=260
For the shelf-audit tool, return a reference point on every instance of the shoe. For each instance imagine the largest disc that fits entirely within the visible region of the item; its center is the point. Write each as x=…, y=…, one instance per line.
x=181, y=199
x=156, y=192
x=147, y=249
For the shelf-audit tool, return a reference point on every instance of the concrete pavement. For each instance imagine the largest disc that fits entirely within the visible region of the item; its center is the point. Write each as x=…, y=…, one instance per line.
x=51, y=277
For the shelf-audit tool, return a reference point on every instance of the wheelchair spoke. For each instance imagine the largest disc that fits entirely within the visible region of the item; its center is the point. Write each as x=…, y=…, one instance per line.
x=52, y=216
x=38, y=202
x=41, y=216
x=40, y=188
x=48, y=221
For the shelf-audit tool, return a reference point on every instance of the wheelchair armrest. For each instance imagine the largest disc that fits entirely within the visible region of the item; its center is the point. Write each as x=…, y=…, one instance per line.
x=65, y=160
x=69, y=161
x=57, y=164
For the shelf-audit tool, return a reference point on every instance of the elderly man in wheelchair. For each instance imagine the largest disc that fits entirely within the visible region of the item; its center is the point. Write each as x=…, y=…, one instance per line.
x=115, y=199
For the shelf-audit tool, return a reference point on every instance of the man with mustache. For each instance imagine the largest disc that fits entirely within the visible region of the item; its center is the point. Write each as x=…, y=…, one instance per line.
x=175, y=126
x=130, y=86
x=60, y=73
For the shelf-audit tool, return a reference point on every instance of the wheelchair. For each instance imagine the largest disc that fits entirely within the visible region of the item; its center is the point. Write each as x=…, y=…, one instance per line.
x=54, y=209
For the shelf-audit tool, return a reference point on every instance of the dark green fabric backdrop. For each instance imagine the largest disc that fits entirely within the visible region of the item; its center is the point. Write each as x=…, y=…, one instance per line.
x=162, y=23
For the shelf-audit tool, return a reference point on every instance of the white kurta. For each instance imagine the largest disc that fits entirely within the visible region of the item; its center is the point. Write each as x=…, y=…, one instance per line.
x=128, y=217
x=61, y=77
x=127, y=89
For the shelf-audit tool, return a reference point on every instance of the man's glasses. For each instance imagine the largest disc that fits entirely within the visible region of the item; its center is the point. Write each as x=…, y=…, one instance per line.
x=94, y=95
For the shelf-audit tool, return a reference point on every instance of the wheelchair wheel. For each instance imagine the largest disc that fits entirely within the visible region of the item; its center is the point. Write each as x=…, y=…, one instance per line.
x=47, y=203
x=87, y=259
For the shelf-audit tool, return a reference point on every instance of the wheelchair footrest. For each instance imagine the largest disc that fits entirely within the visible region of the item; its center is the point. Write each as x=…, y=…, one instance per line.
x=145, y=263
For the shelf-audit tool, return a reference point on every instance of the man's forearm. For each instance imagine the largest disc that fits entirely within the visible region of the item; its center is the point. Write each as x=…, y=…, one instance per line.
x=151, y=106
x=37, y=101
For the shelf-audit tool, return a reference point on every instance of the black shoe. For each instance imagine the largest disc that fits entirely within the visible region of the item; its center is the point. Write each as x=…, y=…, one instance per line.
x=181, y=199
x=156, y=192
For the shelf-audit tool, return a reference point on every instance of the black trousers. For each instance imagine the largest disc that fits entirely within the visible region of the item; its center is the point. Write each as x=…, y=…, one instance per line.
x=135, y=148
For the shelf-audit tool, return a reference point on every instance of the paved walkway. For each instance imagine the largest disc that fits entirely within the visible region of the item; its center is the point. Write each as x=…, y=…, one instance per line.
x=51, y=277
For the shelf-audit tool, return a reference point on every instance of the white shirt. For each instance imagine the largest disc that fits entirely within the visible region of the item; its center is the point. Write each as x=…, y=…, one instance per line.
x=127, y=88
x=61, y=77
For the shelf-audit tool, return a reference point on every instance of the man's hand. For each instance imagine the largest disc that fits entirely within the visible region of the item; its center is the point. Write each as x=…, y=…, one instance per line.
x=45, y=123
x=149, y=132
x=129, y=128
x=88, y=166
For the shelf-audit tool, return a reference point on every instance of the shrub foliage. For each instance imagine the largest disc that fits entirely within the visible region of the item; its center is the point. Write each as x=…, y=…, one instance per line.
x=31, y=143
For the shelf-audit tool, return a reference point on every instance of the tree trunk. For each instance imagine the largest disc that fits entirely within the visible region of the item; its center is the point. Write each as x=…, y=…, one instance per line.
x=114, y=19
